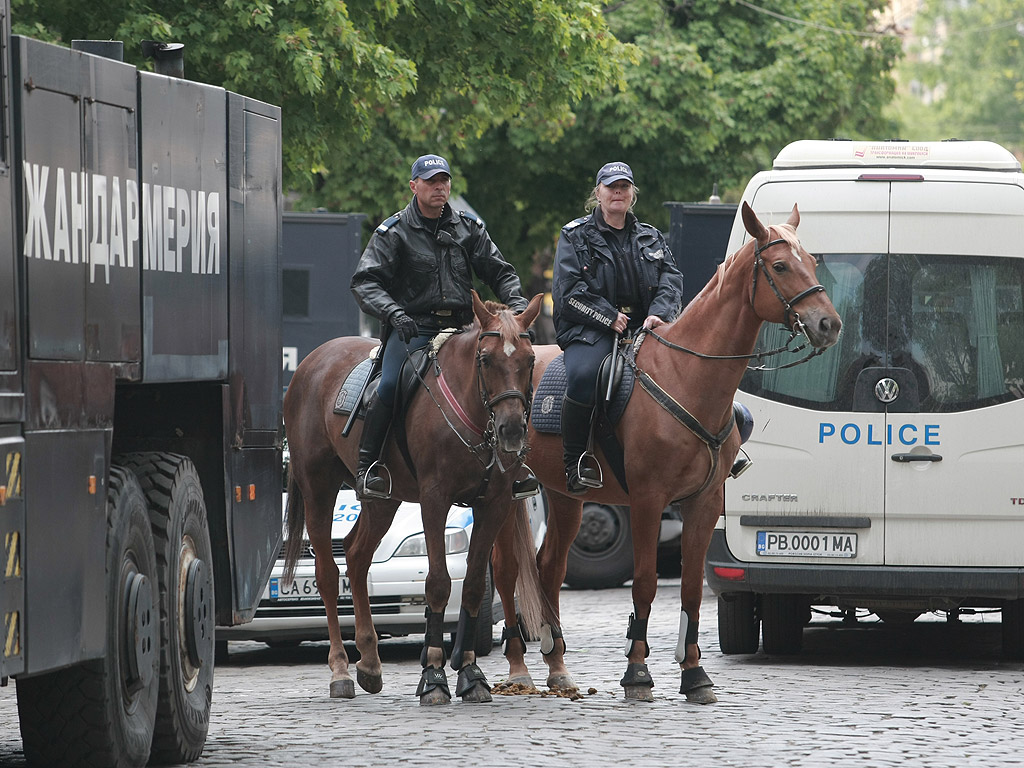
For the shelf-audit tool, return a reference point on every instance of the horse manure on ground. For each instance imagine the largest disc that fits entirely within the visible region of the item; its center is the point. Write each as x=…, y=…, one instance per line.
x=519, y=689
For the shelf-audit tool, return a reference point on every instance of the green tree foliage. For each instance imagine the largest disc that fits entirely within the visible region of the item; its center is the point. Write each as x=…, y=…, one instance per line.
x=367, y=85
x=720, y=88
x=968, y=59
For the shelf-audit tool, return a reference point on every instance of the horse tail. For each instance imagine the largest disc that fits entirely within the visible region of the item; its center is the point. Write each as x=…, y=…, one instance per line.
x=296, y=519
x=535, y=608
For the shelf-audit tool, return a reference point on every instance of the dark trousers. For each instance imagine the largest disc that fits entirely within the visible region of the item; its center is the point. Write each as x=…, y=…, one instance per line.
x=394, y=355
x=582, y=362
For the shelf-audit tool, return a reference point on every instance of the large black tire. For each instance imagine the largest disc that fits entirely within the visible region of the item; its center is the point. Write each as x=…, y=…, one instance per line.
x=185, y=568
x=484, y=640
x=1013, y=629
x=601, y=556
x=739, y=625
x=102, y=712
x=782, y=623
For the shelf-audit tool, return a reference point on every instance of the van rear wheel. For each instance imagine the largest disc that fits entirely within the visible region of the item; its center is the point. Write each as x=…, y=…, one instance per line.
x=1013, y=629
x=739, y=624
x=782, y=623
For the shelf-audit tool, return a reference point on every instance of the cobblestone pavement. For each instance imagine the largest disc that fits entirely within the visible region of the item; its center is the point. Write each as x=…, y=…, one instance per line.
x=928, y=694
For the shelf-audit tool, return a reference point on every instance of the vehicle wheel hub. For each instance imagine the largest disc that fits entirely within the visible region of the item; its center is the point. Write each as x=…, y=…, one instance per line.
x=198, y=621
x=140, y=629
x=599, y=528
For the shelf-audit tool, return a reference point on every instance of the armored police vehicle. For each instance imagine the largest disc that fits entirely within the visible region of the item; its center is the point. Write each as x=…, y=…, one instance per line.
x=887, y=473
x=140, y=396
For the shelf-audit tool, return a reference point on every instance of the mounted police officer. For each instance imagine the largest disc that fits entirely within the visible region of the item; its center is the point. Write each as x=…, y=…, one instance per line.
x=612, y=276
x=415, y=276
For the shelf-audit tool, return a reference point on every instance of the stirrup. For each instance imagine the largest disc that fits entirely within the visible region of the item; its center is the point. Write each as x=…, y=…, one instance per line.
x=364, y=491
x=589, y=475
x=741, y=465
x=527, y=487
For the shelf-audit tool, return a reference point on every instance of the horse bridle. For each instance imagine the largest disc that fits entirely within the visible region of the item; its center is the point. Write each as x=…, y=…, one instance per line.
x=489, y=402
x=788, y=304
x=489, y=432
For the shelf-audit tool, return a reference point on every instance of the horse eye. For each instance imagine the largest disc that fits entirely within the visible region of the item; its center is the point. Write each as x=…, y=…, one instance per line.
x=779, y=266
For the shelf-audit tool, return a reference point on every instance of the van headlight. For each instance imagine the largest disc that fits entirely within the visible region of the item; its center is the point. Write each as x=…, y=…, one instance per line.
x=455, y=540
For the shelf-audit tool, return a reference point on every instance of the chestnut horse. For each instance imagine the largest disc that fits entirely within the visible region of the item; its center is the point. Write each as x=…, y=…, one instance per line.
x=465, y=432
x=698, y=361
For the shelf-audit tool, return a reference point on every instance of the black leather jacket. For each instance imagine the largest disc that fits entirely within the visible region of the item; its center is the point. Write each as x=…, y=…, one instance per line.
x=585, y=279
x=410, y=264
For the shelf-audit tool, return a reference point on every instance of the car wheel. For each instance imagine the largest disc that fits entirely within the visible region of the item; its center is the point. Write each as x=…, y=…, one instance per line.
x=739, y=625
x=185, y=568
x=1013, y=629
x=782, y=623
x=103, y=712
x=601, y=556
x=484, y=641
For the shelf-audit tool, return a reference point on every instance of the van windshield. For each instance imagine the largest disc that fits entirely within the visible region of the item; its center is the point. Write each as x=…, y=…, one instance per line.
x=949, y=328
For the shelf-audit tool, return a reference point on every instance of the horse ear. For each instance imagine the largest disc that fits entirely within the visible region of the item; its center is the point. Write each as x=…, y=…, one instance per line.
x=528, y=315
x=752, y=224
x=794, y=217
x=481, y=312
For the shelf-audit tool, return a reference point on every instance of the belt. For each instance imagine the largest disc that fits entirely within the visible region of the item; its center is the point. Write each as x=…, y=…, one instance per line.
x=442, y=317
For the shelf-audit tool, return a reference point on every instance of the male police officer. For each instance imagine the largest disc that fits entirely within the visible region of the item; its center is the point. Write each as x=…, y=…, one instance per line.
x=416, y=275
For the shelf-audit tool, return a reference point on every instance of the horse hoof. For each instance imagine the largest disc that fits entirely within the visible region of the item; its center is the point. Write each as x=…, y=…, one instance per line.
x=435, y=696
x=472, y=685
x=703, y=695
x=478, y=694
x=696, y=686
x=562, y=683
x=371, y=683
x=524, y=680
x=638, y=692
x=343, y=689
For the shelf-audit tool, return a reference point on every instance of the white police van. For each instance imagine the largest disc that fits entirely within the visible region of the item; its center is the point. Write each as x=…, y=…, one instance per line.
x=887, y=473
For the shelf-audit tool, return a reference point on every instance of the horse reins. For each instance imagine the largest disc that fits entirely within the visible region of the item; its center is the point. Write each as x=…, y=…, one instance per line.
x=488, y=433
x=713, y=443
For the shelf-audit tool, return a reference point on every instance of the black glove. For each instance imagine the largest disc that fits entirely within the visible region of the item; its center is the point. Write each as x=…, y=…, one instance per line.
x=404, y=326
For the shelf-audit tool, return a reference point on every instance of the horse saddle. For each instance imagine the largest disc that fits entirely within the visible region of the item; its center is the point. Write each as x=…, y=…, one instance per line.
x=547, y=400
x=408, y=380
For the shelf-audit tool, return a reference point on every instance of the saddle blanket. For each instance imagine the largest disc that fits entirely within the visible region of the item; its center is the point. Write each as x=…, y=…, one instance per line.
x=547, y=400
x=352, y=386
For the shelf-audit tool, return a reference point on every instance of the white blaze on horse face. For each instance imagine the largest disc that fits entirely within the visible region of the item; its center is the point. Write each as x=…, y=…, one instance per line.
x=510, y=348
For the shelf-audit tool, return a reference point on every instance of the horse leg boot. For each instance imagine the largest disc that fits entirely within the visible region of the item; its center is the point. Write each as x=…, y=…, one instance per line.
x=472, y=684
x=370, y=474
x=580, y=474
x=433, y=685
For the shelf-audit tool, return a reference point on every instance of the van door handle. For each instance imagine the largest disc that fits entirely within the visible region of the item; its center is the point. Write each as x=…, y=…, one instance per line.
x=904, y=458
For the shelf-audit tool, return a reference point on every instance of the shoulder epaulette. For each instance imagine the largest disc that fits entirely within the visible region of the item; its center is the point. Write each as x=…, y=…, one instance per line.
x=471, y=217
x=389, y=222
x=575, y=223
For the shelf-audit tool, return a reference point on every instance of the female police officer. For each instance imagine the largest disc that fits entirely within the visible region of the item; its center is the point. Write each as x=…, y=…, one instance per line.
x=415, y=275
x=613, y=274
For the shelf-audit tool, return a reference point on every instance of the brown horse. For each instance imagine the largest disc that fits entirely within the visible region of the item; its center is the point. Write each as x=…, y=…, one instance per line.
x=665, y=459
x=465, y=432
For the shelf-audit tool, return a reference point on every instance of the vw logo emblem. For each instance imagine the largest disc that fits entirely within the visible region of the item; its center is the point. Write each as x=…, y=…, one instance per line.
x=887, y=390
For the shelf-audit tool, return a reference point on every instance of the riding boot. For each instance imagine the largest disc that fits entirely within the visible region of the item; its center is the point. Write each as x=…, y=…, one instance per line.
x=582, y=472
x=526, y=484
x=372, y=478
